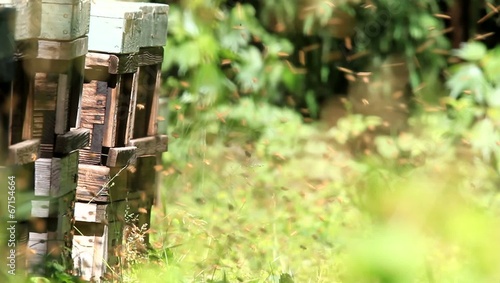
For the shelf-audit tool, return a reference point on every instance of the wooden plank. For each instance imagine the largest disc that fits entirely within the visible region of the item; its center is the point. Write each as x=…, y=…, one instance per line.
x=89, y=157
x=37, y=245
x=149, y=146
x=110, y=125
x=89, y=247
x=114, y=28
x=43, y=168
x=40, y=208
x=112, y=63
x=90, y=212
x=153, y=118
x=119, y=188
x=24, y=152
x=53, y=50
x=72, y=140
x=120, y=156
x=153, y=27
x=54, y=20
x=92, y=183
x=148, y=56
x=62, y=105
x=64, y=174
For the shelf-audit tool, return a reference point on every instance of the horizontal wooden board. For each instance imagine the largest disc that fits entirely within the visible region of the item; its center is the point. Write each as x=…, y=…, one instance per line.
x=114, y=63
x=90, y=212
x=53, y=50
x=149, y=146
x=89, y=157
x=24, y=152
x=72, y=140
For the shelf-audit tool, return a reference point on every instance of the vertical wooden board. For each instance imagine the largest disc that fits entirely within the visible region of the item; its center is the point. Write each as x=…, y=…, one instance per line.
x=21, y=113
x=155, y=97
x=111, y=116
x=43, y=169
x=64, y=174
x=100, y=254
x=61, y=221
x=46, y=91
x=62, y=104
x=115, y=243
x=76, y=91
x=83, y=255
x=93, y=103
x=28, y=19
x=97, y=138
x=132, y=102
x=125, y=111
x=37, y=249
x=119, y=188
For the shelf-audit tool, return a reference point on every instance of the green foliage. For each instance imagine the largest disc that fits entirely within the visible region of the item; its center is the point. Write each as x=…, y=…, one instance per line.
x=475, y=89
x=213, y=55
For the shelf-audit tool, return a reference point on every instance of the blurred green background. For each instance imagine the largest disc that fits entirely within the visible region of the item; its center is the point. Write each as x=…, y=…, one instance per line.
x=328, y=141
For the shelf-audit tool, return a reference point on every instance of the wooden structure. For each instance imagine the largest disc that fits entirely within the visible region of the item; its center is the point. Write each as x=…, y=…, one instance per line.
x=82, y=131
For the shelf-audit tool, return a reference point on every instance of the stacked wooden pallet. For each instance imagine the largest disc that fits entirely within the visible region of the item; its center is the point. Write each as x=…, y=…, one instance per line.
x=51, y=44
x=81, y=127
x=117, y=176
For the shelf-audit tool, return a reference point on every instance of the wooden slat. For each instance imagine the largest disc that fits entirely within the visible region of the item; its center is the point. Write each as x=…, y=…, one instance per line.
x=153, y=27
x=62, y=105
x=148, y=56
x=89, y=157
x=92, y=180
x=90, y=212
x=110, y=125
x=120, y=156
x=24, y=152
x=53, y=50
x=153, y=118
x=64, y=174
x=113, y=63
x=43, y=167
x=72, y=140
x=149, y=146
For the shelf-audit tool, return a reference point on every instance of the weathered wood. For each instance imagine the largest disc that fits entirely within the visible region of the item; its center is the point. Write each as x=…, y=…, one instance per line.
x=144, y=177
x=149, y=146
x=72, y=140
x=64, y=174
x=43, y=167
x=89, y=251
x=62, y=105
x=93, y=183
x=87, y=156
x=114, y=28
x=153, y=27
x=90, y=212
x=53, y=50
x=24, y=152
x=120, y=156
x=155, y=99
x=54, y=20
x=112, y=63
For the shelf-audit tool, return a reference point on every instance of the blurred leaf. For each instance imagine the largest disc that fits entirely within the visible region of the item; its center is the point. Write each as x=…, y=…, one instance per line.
x=471, y=51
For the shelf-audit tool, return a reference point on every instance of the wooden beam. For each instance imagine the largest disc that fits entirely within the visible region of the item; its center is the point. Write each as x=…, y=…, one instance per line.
x=53, y=50
x=72, y=140
x=150, y=146
x=120, y=156
x=113, y=63
x=24, y=152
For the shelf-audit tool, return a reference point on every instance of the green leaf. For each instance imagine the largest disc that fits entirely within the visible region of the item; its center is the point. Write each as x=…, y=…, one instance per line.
x=471, y=51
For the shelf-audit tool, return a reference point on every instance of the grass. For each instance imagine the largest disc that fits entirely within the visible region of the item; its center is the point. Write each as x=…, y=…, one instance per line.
x=291, y=204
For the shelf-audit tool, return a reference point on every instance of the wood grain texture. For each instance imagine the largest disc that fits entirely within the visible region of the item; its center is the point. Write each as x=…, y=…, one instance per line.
x=53, y=20
x=72, y=140
x=87, y=156
x=113, y=63
x=90, y=212
x=120, y=156
x=24, y=152
x=93, y=183
x=53, y=50
x=64, y=174
x=43, y=169
x=149, y=146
